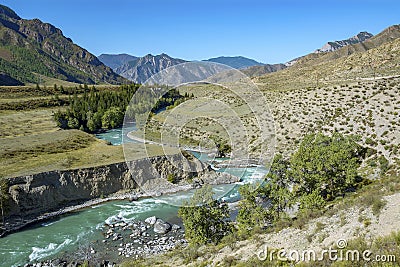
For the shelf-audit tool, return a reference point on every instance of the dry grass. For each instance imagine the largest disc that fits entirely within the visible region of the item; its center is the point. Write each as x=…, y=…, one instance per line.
x=29, y=122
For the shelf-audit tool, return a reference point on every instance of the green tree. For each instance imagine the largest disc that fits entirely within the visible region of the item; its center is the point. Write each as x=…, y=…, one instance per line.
x=61, y=119
x=171, y=178
x=313, y=201
x=112, y=118
x=4, y=197
x=277, y=187
x=327, y=164
x=205, y=219
x=250, y=214
x=93, y=121
x=224, y=149
x=73, y=123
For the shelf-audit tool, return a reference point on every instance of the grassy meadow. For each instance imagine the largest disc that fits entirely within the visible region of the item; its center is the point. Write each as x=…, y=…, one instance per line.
x=31, y=142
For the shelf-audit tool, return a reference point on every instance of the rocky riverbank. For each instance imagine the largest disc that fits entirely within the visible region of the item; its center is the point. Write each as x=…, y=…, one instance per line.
x=124, y=239
x=39, y=197
x=143, y=238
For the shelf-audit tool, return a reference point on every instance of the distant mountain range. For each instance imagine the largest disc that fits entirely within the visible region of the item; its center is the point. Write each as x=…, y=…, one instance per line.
x=388, y=35
x=31, y=50
x=337, y=45
x=378, y=56
x=142, y=68
x=139, y=69
x=238, y=62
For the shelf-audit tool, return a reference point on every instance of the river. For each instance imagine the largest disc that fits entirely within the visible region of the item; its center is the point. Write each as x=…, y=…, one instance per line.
x=68, y=232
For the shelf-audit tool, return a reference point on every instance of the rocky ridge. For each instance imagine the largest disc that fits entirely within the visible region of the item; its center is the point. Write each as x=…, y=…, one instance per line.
x=335, y=45
x=141, y=69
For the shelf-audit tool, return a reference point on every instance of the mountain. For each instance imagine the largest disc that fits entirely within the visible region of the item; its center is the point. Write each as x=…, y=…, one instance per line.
x=31, y=50
x=387, y=35
x=264, y=69
x=379, y=56
x=332, y=46
x=115, y=61
x=140, y=69
x=238, y=62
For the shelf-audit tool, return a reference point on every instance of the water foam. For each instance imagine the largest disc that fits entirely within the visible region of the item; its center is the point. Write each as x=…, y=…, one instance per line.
x=50, y=249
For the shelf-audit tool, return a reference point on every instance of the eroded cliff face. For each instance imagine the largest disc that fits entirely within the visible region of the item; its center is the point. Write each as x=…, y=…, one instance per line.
x=37, y=194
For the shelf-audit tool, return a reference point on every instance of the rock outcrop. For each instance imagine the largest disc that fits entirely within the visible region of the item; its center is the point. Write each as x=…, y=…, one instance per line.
x=332, y=46
x=39, y=193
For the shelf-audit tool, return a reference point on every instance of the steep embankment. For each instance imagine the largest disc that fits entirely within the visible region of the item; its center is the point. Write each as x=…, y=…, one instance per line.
x=32, y=196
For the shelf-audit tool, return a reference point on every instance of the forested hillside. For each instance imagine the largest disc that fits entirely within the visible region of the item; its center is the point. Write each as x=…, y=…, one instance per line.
x=31, y=51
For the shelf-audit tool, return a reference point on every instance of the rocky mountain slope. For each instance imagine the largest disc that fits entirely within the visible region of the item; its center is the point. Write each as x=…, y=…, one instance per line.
x=115, y=61
x=32, y=49
x=379, y=56
x=335, y=45
x=389, y=34
x=140, y=69
x=264, y=69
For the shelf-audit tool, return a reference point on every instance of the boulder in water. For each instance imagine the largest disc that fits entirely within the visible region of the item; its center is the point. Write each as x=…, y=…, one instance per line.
x=151, y=220
x=175, y=227
x=161, y=227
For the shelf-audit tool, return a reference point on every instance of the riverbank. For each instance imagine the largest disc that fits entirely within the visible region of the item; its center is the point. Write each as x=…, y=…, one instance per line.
x=149, y=190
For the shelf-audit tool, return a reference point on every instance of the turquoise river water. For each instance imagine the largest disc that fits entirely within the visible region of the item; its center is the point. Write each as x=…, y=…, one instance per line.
x=68, y=232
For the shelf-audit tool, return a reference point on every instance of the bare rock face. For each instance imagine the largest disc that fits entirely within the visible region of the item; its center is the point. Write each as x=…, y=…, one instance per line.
x=42, y=192
x=332, y=46
x=140, y=69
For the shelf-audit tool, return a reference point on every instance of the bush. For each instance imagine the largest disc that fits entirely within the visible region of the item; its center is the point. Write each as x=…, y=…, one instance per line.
x=171, y=178
x=313, y=201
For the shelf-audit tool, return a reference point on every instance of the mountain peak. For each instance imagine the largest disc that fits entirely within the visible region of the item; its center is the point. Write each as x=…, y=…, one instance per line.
x=140, y=69
x=115, y=61
x=335, y=45
x=8, y=12
x=44, y=50
x=237, y=62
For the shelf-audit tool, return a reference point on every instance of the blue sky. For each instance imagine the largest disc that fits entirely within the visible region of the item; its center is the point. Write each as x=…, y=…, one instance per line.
x=268, y=31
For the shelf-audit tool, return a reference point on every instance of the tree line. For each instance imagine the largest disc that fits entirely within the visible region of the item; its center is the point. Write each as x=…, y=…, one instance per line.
x=94, y=110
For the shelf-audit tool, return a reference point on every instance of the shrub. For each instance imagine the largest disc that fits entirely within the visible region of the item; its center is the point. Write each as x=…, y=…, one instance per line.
x=171, y=178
